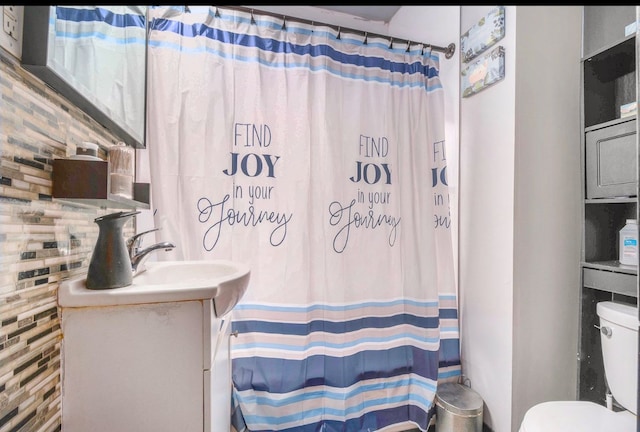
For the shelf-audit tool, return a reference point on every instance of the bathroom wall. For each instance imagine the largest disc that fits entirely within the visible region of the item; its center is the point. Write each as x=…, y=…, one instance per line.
x=42, y=242
x=520, y=213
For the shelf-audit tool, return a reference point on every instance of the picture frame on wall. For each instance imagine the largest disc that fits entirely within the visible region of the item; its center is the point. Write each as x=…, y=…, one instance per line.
x=483, y=72
x=483, y=35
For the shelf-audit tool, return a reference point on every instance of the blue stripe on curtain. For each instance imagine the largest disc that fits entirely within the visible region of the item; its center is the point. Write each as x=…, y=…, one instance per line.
x=450, y=355
x=276, y=46
x=335, y=327
x=255, y=372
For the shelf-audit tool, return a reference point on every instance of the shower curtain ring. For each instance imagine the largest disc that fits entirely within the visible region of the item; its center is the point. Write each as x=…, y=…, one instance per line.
x=422, y=50
x=408, y=46
x=366, y=37
x=217, y=14
x=339, y=30
x=253, y=20
x=391, y=44
x=284, y=22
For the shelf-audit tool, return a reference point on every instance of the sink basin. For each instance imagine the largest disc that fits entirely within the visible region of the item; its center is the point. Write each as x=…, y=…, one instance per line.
x=167, y=281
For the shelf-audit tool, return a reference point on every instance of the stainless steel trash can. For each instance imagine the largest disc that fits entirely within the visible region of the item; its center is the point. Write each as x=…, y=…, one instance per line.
x=458, y=409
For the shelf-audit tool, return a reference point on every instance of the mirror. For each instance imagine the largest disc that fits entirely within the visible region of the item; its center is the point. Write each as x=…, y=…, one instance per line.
x=95, y=56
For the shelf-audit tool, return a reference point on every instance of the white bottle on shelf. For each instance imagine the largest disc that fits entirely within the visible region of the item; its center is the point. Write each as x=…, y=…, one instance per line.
x=629, y=243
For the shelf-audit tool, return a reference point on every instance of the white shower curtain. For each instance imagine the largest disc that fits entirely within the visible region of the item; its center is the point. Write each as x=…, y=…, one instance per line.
x=316, y=157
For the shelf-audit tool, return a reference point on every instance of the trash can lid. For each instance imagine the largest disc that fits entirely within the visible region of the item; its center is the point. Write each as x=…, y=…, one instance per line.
x=459, y=399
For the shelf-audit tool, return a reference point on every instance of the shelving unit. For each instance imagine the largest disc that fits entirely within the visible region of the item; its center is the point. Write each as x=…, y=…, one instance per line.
x=87, y=182
x=610, y=179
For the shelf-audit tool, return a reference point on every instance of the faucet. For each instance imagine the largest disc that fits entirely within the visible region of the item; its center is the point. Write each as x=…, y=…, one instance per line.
x=139, y=256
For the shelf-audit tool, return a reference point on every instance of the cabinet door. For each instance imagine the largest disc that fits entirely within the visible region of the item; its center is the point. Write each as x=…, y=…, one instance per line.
x=133, y=368
x=611, y=161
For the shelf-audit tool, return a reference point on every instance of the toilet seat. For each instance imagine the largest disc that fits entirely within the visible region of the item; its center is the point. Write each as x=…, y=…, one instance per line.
x=572, y=416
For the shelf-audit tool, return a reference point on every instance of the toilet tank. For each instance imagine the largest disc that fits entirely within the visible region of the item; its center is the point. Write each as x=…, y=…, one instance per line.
x=620, y=350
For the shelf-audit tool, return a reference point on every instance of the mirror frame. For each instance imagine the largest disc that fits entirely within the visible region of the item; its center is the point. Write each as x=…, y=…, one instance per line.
x=34, y=59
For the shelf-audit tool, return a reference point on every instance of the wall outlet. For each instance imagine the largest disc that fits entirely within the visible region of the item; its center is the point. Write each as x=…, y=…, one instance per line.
x=10, y=25
x=11, y=34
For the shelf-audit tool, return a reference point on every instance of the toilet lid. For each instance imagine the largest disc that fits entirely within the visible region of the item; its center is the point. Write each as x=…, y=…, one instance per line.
x=571, y=416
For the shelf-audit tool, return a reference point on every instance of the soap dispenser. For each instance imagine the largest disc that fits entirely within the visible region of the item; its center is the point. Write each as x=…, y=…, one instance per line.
x=110, y=265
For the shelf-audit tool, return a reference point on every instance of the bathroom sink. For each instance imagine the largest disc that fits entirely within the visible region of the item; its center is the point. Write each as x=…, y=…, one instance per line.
x=167, y=281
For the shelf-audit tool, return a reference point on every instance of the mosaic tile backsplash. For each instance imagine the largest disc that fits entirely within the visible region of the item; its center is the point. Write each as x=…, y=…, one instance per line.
x=42, y=242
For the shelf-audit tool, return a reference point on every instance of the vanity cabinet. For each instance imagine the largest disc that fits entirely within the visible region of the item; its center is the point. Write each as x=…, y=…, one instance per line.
x=610, y=179
x=146, y=368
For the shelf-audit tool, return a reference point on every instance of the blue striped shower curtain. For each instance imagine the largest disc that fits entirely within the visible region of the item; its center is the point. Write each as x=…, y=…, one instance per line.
x=318, y=158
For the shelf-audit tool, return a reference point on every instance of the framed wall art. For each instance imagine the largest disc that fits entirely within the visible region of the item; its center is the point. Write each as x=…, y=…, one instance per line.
x=483, y=72
x=483, y=35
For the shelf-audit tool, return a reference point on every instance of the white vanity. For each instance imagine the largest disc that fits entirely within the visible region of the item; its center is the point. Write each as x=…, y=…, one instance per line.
x=153, y=356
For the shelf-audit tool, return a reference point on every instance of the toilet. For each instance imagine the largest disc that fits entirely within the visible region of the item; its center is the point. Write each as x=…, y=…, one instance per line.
x=619, y=336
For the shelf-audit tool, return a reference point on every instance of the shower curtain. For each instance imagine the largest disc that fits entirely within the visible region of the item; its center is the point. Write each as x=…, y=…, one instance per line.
x=317, y=157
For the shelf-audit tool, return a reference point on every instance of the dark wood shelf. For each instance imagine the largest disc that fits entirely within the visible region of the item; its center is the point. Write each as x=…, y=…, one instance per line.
x=87, y=182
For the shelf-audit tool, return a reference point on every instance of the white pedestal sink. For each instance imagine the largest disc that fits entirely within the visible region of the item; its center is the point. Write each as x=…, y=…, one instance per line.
x=152, y=356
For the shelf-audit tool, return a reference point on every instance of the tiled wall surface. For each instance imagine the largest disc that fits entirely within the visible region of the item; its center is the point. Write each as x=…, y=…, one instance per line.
x=42, y=242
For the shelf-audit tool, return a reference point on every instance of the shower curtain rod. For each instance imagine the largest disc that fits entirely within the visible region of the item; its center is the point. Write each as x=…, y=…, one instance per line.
x=448, y=50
